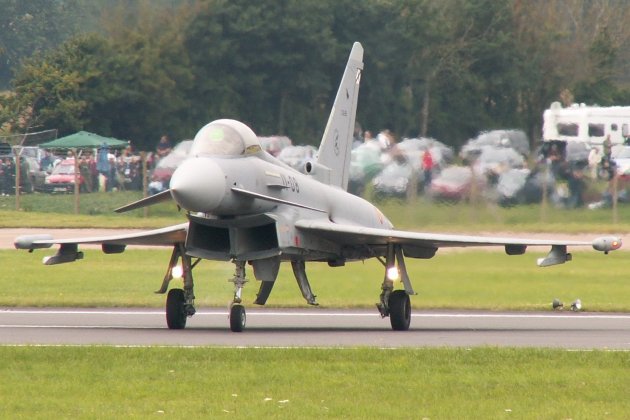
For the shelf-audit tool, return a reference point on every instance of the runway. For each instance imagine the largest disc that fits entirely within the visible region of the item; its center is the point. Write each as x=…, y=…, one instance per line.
x=315, y=327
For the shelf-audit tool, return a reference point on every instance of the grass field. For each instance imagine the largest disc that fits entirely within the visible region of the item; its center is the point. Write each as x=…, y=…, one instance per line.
x=486, y=383
x=467, y=279
x=45, y=210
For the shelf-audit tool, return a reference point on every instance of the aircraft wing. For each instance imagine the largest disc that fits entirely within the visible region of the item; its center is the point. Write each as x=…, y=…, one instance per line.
x=111, y=244
x=424, y=245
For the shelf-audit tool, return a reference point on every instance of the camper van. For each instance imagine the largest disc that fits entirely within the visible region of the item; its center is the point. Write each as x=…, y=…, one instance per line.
x=586, y=124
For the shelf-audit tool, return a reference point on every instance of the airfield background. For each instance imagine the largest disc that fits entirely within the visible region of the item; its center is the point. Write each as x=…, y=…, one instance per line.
x=448, y=69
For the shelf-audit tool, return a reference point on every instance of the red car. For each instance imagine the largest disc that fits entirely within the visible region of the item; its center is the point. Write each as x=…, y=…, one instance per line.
x=454, y=183
x=62, y=178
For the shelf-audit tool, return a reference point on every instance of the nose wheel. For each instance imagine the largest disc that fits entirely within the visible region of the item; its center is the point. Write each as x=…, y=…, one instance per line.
x=237, y=318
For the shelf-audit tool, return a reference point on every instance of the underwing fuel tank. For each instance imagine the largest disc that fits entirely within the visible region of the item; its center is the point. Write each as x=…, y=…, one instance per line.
x=198, y=185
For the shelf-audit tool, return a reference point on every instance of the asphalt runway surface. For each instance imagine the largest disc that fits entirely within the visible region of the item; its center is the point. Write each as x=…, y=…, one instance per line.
x=315, y=327
x=308, y=327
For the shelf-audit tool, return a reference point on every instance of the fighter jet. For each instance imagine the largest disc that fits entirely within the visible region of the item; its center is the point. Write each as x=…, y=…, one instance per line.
x=245, y=206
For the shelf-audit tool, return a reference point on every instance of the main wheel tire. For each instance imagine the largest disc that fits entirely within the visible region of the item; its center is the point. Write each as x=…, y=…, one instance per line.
x=175, y=309
x=399, y=310
x=237, y=318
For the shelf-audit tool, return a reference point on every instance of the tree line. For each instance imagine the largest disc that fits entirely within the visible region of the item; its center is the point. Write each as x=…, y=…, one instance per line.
x=444, y=69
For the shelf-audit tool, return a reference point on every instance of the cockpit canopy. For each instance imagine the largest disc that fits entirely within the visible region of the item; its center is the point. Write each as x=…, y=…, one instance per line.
x=225, y=138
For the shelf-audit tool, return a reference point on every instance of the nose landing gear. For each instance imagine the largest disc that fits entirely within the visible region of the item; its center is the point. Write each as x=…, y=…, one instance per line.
x=238, y=318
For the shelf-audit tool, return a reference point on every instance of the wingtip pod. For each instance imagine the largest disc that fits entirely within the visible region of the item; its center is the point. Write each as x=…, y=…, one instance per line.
x=30, y=242
x=607, y=244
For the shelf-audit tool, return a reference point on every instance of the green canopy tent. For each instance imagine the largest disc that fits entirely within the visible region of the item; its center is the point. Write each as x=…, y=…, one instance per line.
x=84, y=140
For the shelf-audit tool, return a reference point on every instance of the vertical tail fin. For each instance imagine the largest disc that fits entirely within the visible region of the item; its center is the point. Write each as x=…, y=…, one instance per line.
x=336, y=145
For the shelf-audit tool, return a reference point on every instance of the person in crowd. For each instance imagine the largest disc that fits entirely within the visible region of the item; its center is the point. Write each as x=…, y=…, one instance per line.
x=594, y=157
x=46, y=162
x=84, y=170
x=607, y=164
x=385, y=139
x=102, y=166
x=427, y=168
x=26, y=186
x=3, y=187
x=164, y=146
x=129, y=169
x=8, y=176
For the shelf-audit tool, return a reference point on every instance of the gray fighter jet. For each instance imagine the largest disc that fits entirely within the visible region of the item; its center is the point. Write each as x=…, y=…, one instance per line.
x=245, y=206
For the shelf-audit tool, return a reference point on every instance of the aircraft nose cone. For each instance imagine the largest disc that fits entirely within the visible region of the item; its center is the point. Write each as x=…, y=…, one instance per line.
x=198, y=184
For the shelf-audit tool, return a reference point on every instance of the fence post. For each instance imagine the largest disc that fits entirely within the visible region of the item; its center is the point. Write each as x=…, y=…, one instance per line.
x=615, y=196
x=76, y=180
x=145, y=186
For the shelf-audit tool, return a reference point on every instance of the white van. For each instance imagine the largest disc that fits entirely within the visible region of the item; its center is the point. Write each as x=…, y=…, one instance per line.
x=586, y=124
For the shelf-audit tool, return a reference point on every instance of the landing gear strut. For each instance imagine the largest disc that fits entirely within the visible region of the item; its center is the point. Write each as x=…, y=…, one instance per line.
x=395, y=304
x=180, y=303
x=238, y=317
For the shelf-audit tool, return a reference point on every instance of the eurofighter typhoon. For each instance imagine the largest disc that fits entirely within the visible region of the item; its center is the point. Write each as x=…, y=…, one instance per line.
x=246, y=207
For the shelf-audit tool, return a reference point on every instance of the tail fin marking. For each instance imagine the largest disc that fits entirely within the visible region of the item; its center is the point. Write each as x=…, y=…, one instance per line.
x=336, y=145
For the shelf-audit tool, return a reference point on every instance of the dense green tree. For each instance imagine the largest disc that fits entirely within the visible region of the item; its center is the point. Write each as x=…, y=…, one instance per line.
x=94, y=84
x=444, y=69
x=27, y=27
x=261, y=62
x=599, y=87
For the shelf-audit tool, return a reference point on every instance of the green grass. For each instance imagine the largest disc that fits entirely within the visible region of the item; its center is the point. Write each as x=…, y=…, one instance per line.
x=451, y=280
x=45, y=210
x=484, y=383
x=489, y=217
x=470, y=279
x=96, y=210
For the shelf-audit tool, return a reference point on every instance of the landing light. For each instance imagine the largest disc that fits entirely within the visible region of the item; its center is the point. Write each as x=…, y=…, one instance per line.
x=392, y=273
x=177, y=272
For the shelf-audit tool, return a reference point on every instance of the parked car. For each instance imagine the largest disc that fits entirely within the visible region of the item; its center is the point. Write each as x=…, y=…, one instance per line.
x=297, y=156
x=493, y=161
x=274, y=144
x=513, y=139
x=393, y=181
x=622, y=162
x=413, y=149
x=365, y=164
x=161, y=175
x=63, y=178
x=454, y=183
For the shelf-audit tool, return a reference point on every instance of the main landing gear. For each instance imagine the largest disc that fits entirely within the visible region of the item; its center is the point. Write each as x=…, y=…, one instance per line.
x=180, y=303
x=395, y=304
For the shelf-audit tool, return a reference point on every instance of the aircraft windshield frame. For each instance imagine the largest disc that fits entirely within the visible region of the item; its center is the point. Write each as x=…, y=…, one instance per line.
x=219, y=140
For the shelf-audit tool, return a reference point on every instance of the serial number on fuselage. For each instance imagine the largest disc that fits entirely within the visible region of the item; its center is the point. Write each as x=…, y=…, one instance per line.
x=289, y=181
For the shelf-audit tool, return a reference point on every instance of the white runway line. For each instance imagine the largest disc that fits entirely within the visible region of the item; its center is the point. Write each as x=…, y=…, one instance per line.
x=290, y=313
